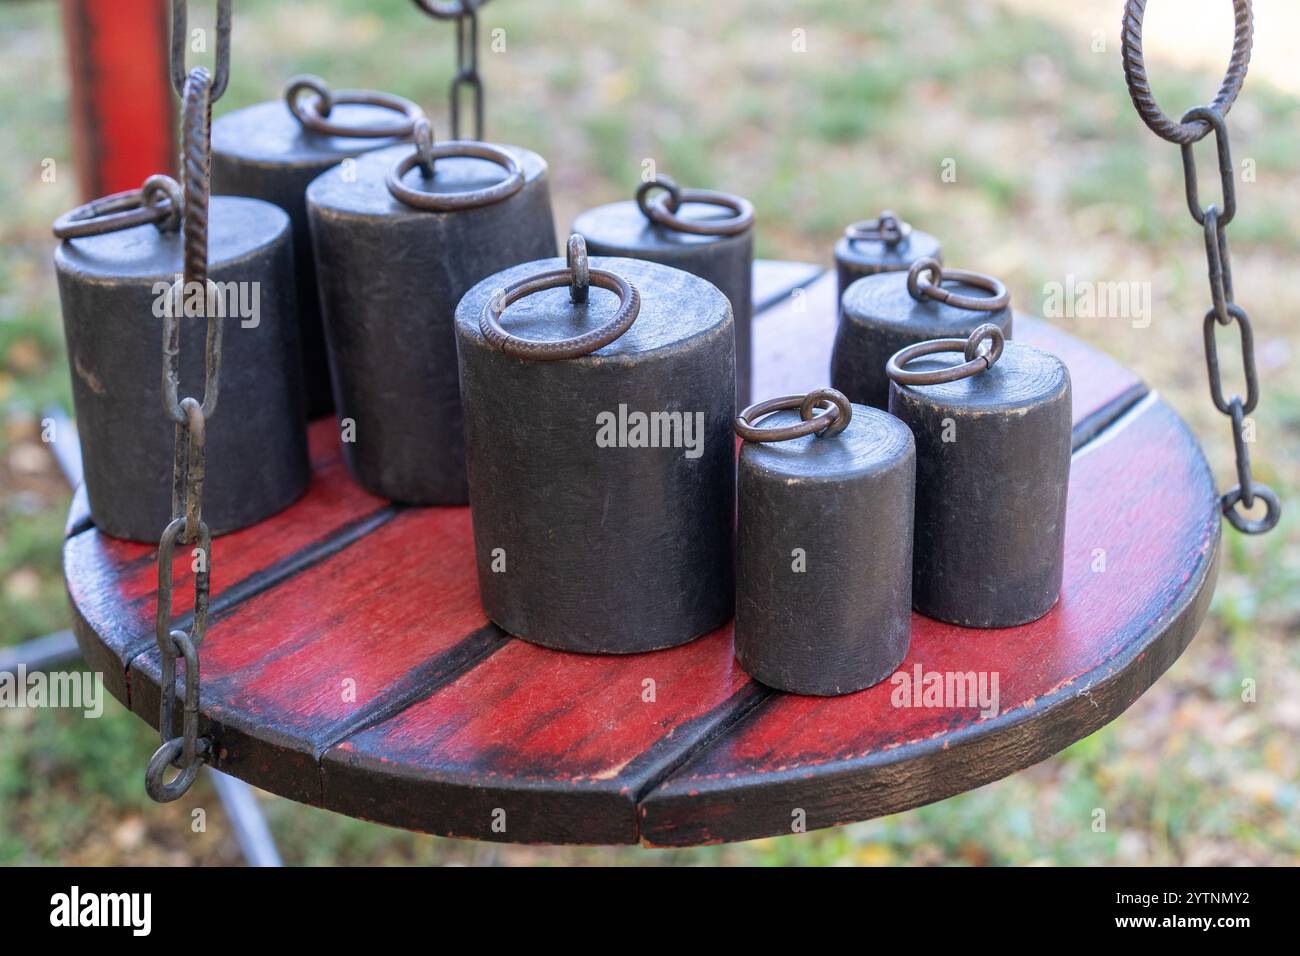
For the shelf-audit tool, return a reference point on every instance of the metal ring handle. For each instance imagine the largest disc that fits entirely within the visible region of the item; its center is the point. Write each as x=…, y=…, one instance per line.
x=886, y=228
x=976, y=360
x=576, y=258
x=158, y=201
x=426, y=153
x=836, y=417
x=997, y=299
x=1139, y=89
x=629, y=306
x=662, y=210
x=314, y=114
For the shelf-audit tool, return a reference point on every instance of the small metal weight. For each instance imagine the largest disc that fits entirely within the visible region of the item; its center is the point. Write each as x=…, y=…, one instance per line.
x=824, y=546
x=992, y=472
x=706, y=233
x=883, y=313
x=598, y=406
x=397, y=244
x=116, y=268
x=273, y=150
x=883, y=244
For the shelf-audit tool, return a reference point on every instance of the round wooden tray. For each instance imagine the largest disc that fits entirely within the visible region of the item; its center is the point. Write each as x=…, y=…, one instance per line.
x=348, y=663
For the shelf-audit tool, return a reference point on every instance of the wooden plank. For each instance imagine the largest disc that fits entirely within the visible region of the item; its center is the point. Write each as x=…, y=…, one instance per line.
x=539, y=746
x=774, y=280
x=112, y=583
x=350, y=640
x=1144, y=496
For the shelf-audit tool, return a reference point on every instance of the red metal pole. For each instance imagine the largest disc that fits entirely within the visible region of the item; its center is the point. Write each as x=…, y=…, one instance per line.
x=122, y=107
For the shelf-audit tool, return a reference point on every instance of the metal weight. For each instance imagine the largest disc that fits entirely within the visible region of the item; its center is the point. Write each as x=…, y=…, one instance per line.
x=824, y=546
x=992, y=472
x=113, y=287
x=882, y=313
x=391, y=271
x=883, y=244
x=708, y=234
x=598, y=405
x=273, y=150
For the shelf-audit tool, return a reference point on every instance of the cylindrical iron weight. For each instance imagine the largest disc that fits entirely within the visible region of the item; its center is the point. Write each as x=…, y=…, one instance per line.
x=602, y=485
x=824, y=554
x=884, y=244
x=112, y=288
x=390, y=276
x=992, y=473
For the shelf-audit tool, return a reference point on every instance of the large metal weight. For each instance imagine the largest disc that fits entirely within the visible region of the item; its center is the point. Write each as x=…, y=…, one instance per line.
x=273, y=150
x=708, y=234
x=113, y=286
x=598, y=407
x=824, y=546
x=883, y=244
x=883, y=313
x=397, y=244
x=992, y=472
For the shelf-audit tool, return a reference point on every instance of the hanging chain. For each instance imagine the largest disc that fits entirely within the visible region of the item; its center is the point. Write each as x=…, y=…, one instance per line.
x=188, y=752
x=465, y=13
x=1195, y=125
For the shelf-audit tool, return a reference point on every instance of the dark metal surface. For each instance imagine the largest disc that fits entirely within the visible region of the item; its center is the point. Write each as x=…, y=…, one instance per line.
x=884, y=244
x=1197, y=123
x=109, y=287
x=992, y=473
x=878, y=317
x=390, y=277
x=621, y=229
x=1190, y=129
x=602, y=544
x=263, y=151
x=824, y=554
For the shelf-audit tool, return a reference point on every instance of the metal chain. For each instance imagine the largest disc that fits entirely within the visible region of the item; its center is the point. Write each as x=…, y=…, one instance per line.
x=465, y=13
x=1195, y=125
x=180, y=31
x=187, y=752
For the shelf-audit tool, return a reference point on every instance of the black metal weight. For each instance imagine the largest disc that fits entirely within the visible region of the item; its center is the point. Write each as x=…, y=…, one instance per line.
x=273, y=150
x=683, y=228
x=396, y=246
x=882, y=313
x=883, y=244
x=824, y=546
x=992, y=472
x=598, y=407
x=113, y=286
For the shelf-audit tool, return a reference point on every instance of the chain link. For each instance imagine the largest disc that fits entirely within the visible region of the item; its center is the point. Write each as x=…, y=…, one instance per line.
x=1196, y=124
x=180, y=35
x=465, y=13
x=188, y=751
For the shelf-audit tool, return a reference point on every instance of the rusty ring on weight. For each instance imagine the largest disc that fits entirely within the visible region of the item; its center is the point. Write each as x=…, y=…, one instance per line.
x=836, y=417
x=886, y=228
x=449, y=9
x=158, y=201
x=629, y=306
x=576, y=258
x=313, y=116
x=1139, y=89
x=976, y=360
x=426, y=153
x=662, y=211
x=934, y=290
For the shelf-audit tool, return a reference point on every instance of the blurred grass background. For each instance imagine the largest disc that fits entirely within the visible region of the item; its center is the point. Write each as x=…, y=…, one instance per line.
x=1055, y=176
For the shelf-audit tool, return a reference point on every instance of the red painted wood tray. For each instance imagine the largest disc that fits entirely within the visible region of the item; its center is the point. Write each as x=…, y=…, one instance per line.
x=348, y=663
